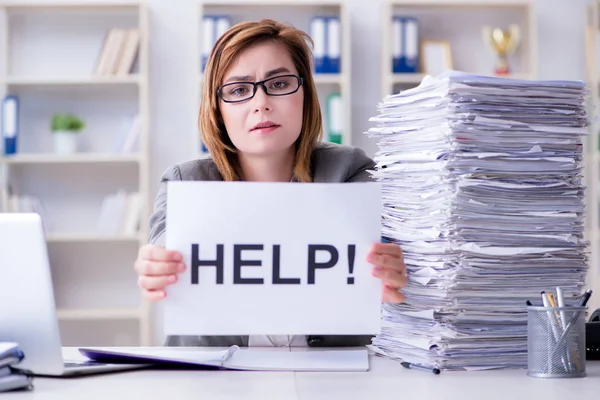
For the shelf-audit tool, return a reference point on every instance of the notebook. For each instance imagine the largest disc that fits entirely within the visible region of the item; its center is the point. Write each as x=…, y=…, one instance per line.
x=236, y=358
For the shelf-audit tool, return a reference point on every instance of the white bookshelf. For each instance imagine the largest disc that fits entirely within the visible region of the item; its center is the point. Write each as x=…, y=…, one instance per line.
x=297, y=13
x=460, y=22
x=66, y=81
x=81, y=158
x=592, y=147
x=48, y=55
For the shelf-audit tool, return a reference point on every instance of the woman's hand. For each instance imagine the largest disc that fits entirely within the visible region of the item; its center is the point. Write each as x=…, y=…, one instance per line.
x=157, y=268
x=389, y=267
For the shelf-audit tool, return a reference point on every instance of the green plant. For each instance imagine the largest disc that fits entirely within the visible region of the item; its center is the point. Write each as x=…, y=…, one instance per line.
x=66, y=122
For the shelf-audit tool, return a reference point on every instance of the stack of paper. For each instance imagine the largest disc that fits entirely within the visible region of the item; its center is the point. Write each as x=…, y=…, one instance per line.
x=10, y=355
x=483, y=189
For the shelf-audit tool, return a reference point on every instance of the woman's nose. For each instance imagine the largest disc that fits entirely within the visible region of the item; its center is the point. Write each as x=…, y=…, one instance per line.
x=261, y=100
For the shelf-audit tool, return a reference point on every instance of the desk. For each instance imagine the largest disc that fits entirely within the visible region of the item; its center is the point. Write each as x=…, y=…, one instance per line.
x=386, y=380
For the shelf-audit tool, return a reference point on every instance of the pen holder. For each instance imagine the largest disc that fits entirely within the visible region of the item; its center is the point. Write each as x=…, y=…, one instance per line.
x=556, y=342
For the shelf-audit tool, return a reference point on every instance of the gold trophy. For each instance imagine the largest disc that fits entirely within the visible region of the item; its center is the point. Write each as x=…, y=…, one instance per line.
x=503, y=43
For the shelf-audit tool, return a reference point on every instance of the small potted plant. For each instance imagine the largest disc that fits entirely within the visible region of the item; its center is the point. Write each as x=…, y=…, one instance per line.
x=65, y=128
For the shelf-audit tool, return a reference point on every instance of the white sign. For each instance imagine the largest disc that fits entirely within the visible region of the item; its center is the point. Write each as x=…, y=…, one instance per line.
x=273, y=258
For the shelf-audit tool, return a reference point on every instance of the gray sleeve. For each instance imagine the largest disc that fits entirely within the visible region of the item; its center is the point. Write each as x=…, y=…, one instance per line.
x=361, y=164
x=158, y=217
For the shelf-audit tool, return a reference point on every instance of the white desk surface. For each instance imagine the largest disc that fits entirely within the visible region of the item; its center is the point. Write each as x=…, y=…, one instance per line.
x=387, y=379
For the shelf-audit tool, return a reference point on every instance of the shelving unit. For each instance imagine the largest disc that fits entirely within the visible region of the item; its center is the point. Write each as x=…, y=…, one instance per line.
x=298, y=14
x=460, y=22
x=85, y=158
x=592, y=147
x=48, y=56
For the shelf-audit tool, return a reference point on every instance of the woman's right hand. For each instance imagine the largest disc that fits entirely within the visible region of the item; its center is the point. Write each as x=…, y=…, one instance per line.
x=157, y=268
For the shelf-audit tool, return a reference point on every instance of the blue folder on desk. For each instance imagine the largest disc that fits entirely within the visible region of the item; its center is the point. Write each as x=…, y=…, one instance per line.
x=236, y=358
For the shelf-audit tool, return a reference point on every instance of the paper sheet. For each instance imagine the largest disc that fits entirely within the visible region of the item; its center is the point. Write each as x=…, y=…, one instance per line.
x=273, y=258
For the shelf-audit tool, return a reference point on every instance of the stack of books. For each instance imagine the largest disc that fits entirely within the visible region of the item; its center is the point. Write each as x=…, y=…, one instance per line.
x=11, y=379
x=482, y=181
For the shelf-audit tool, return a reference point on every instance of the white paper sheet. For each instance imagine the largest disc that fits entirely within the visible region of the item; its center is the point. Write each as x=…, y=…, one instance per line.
x=275, y=221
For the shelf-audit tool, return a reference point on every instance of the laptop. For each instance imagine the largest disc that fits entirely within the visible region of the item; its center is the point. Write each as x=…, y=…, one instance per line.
x=27, y=305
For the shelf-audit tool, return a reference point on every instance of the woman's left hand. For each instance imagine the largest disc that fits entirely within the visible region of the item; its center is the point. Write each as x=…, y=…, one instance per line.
x=388, y=265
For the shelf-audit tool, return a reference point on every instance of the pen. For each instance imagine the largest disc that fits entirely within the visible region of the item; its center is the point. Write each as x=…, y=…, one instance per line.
x=421, y=367
x=553, y=305
x=562, y=322
x=553, y=326
x=586, y=298
x=561, y=303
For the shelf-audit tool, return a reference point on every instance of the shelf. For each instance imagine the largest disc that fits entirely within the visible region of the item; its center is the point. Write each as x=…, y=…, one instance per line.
x=418, y=77
x=96, y=314
x=287, y=3
x=461, y=3
x=80, y=158
x=90, y=238
x=80, y=81
x=36, y=6
x=407, y=78
x=328, y=78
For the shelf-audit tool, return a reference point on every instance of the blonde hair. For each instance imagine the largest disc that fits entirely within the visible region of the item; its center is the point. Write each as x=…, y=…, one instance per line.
x=224, y=53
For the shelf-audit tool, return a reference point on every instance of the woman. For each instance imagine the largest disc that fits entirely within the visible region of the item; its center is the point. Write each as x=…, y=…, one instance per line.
x=260, y=120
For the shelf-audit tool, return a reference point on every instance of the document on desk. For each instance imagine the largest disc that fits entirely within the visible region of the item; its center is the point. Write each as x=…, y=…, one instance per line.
x=273, y=258
x=482, y=182
x=236, y=358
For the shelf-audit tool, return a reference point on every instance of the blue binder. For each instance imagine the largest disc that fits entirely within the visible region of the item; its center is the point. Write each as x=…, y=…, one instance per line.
x=326, y=34
x=405, y=44
x=10, y=123
x=213, y=27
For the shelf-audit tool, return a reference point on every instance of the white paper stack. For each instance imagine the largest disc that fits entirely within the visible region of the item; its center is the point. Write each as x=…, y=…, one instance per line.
x=483, y=189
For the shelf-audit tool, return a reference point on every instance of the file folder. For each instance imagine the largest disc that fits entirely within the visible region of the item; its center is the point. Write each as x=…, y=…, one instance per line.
x=10, y=123
x=334, y=118
x=326, y=34
x=317, y=33
x=213, y=27
x=208, y=38
x=405, y=45
x=236, y=358
x=333, y=57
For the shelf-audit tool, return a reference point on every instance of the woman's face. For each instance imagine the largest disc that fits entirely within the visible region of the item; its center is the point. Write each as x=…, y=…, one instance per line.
x=263, y=125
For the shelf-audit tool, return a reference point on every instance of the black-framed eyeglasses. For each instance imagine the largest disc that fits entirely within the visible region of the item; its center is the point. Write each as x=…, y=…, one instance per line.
x=281, y=85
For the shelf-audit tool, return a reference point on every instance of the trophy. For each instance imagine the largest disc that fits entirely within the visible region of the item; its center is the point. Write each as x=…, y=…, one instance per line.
x=503, y=43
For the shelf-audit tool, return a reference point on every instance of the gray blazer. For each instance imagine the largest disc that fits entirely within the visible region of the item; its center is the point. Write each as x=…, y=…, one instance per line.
x=330, y=163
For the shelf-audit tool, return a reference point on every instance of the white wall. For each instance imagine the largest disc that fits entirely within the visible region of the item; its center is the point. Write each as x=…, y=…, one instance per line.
x=173, y=57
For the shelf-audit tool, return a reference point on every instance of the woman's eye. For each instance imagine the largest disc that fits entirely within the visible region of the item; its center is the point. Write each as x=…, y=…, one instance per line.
x=238, y=91
x=279, y=85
